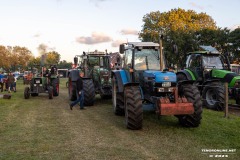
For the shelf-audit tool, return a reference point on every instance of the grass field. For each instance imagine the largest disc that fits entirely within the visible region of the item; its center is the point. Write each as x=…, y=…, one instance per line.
x=39, y=128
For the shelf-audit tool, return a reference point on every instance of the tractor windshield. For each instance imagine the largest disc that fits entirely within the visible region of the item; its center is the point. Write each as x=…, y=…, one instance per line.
x=101, y=61
x=94, y=61
x=213, y=62
x=147, y=59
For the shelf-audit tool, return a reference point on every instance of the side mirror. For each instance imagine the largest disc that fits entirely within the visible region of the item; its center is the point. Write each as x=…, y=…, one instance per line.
x=121, y=48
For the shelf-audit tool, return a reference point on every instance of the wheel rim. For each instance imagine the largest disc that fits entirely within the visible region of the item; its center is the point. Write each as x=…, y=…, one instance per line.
x=211, y=97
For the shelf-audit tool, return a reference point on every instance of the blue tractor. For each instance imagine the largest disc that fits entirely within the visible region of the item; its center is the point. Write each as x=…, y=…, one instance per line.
x=143, y=84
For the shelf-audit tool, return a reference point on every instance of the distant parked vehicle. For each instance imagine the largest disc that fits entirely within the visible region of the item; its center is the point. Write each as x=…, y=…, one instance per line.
x=235, y=68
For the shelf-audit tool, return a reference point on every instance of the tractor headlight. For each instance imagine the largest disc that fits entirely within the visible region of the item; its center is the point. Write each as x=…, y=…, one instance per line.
x=160, y=89
x=170, y=89
x=166, y=84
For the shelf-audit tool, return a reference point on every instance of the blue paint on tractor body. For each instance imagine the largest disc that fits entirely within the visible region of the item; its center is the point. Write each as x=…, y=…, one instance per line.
x=160, y=76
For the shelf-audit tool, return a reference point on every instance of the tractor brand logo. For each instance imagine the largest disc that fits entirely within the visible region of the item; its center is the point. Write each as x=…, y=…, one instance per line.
x=166, y=78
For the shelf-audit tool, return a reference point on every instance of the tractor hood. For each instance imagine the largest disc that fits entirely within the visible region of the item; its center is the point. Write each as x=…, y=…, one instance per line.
x=102, y=70
x=160, y=76
x=226, y=76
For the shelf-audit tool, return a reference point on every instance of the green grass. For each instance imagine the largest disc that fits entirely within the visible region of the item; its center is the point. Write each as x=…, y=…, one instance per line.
x=39, y=128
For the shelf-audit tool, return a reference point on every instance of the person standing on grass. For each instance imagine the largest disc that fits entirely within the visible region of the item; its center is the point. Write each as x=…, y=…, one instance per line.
x=79, y=93
x=14, y=83
x=1, y=82
x=11, y=80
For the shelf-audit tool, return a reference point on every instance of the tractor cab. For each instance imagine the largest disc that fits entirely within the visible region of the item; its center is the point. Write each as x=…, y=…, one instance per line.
x=142, y=63
x=204, y=63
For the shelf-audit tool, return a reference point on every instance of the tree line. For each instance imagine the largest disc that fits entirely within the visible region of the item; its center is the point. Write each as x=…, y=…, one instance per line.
x=184, y=30
x=18, y=58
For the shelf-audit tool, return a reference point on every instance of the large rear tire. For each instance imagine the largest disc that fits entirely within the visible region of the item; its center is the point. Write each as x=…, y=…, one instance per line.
x=117, y=99
x=133, y=108
x=213, y=96
x=26, y=92
x=89, y=92
x=192, y=94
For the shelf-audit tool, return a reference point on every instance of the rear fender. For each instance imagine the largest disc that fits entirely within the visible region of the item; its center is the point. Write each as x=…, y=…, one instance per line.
x=212, y=80
x=187, y=82
x=188, y=74
x=122, y=78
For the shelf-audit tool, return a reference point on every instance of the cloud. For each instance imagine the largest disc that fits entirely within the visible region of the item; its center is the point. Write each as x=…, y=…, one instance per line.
x=36, y=35
x=196, y=6
x=94, y=39
x=129, y=32
x=116, y=43
x=96, y=2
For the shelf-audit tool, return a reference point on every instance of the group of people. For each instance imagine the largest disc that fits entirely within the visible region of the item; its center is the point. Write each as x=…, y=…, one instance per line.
x=9, y=82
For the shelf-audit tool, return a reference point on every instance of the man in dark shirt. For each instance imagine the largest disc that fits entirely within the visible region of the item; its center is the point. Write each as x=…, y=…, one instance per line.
x=79, y=93
x=11, y=80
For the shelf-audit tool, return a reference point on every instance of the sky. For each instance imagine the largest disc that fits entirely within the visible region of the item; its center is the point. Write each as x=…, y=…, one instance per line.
x=73, y=26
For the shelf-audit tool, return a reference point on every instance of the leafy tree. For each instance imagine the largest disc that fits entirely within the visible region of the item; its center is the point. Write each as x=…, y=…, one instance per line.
x=234, y=39
x=64, y=65
x=53, y=57
x=217, y=38
x=13, y=57
x=178, y=27
x=4, y=58
x=20, y=56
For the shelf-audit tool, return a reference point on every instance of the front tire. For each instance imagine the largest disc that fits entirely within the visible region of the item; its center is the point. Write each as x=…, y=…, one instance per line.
x=133, y=108
x=213, y=95
x=192, y=94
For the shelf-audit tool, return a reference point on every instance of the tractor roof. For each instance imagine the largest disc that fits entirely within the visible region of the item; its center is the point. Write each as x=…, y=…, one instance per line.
x=206, y=50
x=96, y=53
x=143, y=44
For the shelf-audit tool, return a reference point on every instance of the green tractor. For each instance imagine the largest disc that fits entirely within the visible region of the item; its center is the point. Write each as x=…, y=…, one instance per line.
x=44, y=82
x=95, y=68
x=211, y=69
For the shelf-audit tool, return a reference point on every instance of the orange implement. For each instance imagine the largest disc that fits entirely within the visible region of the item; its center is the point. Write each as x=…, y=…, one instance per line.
x=180, y=107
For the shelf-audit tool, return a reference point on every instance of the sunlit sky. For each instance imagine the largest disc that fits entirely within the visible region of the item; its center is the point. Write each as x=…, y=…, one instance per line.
x=73, y=26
